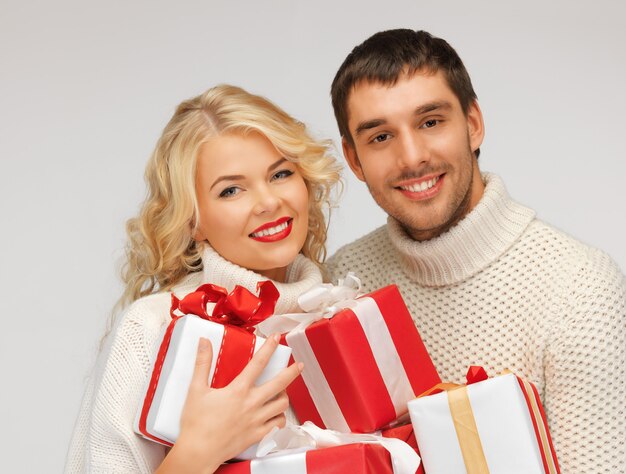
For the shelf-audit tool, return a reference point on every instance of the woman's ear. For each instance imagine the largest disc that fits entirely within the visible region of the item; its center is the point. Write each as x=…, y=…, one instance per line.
x=196, y=233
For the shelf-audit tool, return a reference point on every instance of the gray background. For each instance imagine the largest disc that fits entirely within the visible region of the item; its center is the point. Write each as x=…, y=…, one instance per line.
x=86, y=89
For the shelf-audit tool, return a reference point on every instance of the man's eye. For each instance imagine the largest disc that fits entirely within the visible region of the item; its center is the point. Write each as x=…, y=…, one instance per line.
x=230, y=191
x=383, y=137
x=282, y=174
x=430, y=123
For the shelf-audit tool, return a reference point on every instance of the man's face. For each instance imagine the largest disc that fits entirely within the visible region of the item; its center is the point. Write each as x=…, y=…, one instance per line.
x=414, y=148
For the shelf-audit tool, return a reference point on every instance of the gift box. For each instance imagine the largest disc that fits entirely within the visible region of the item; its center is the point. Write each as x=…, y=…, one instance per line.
x=308, y=436
x=363, y=359
x=350, y=458
x=407, y=434
x=492, y=425
x=229, y=330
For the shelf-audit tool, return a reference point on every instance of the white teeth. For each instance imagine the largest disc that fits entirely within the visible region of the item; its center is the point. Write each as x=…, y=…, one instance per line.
x=423, y=186
x=271, y=230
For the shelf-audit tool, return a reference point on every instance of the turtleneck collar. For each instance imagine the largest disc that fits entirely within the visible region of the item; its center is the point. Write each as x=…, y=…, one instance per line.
x=302, y=274
x=475, y=242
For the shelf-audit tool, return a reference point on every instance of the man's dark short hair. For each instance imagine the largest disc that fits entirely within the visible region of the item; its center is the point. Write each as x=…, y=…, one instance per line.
x=385, y=56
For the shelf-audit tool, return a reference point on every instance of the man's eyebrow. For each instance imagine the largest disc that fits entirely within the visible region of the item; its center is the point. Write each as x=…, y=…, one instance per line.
x=368, y=125
x=235, y=177
x=431, y=106
x=421, y=110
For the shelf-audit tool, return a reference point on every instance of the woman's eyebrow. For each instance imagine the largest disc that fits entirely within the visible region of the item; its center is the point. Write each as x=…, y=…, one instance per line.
x=232, y=177
x=276, y=164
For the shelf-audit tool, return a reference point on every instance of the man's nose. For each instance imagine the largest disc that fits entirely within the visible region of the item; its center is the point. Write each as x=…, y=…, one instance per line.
x=412, y=150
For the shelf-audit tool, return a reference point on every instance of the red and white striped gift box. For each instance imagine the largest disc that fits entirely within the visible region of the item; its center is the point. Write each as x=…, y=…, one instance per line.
x=490, y=426
x=229, y=328
x=350, y=458
x=158, y=418
x=361, y=366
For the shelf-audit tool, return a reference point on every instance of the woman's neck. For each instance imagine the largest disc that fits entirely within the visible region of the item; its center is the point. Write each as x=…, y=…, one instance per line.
x=276, y=274
x=301, y=275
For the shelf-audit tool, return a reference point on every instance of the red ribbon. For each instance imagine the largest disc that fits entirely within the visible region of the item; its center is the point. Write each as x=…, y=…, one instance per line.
x=239, y=308
x=475, y=374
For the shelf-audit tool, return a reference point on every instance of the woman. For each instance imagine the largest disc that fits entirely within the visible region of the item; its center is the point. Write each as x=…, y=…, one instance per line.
x=237, y=190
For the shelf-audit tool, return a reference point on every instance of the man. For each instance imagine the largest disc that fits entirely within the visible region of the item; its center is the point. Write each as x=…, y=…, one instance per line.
x=486, y=282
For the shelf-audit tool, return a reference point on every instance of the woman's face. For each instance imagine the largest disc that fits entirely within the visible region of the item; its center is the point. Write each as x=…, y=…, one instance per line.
x=253, y=203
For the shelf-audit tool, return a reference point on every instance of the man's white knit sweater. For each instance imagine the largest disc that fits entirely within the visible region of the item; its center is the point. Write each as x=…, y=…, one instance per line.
x=504, y=290
x=103, y=439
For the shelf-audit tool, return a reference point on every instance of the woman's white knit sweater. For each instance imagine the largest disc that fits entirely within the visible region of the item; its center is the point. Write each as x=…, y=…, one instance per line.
x=504, y=290
x=103, y=439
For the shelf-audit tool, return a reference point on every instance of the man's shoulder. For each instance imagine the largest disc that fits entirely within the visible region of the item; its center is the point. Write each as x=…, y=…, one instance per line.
x=572, y=255
x=365, y=251
x=369, y=242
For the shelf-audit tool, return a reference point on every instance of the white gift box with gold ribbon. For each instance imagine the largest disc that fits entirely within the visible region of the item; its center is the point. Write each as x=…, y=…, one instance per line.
x=494, y=426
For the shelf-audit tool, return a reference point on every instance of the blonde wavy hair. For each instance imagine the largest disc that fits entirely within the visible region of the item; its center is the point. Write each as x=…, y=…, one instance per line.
x=161, y=250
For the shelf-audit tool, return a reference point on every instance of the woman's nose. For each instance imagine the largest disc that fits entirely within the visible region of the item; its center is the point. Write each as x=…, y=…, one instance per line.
x=267, y=201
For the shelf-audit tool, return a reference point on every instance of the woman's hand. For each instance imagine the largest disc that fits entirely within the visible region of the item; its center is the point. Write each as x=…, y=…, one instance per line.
x=218, y=424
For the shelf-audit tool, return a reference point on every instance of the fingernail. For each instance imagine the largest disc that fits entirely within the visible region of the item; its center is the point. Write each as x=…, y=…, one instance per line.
x=276, y=337
x=203, y=344
x=300, y=366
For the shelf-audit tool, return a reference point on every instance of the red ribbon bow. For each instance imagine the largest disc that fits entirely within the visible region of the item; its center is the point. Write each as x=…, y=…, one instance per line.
x=475, y=374
x=239, y=308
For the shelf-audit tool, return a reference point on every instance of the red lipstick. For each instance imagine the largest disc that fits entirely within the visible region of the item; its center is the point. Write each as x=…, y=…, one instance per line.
x=280, y=235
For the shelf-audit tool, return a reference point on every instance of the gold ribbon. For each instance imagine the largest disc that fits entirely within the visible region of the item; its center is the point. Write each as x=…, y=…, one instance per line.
x=466, y=431
x=464, y=425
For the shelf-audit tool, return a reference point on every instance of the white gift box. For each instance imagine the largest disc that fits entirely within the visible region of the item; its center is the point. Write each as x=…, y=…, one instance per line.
x=158, y=417
x=509, y=424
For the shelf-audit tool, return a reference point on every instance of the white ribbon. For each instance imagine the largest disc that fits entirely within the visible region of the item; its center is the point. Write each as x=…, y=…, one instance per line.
x=292, y=461
x=385, y=354
x=404, y=459
x=315, y=381
x=320, y=302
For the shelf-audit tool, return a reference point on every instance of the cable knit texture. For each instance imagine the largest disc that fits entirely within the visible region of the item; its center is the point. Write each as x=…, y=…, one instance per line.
x=103, y=438
x=504, y=290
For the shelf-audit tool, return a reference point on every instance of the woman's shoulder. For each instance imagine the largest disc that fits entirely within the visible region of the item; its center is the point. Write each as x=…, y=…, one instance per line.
x=154, y=309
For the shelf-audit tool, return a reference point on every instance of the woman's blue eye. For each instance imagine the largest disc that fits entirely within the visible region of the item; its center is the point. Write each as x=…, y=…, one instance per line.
x=282, y=174
x=228, y=192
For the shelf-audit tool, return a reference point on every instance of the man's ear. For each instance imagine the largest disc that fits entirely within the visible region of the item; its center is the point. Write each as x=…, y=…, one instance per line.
x=353, y=160
x=475, y=126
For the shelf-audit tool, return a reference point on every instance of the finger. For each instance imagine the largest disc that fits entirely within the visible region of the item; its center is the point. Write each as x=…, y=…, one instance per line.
x=280, y=382
x=273, y=408
x=202, y=369
x=263, y=429
x=279, y=421
x=259, y=361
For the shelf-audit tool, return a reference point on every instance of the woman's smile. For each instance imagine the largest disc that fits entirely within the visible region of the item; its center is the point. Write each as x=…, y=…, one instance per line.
x=273, y=231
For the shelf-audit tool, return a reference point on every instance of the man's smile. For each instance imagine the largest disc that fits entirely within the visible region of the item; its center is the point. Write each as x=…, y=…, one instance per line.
x=423, y=188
